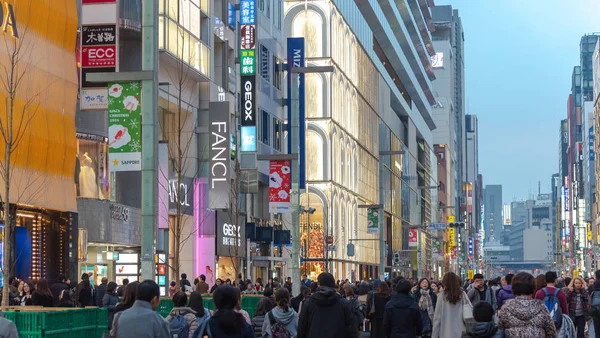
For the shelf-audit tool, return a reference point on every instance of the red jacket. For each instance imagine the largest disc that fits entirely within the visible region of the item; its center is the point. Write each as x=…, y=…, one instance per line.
x=562, y=299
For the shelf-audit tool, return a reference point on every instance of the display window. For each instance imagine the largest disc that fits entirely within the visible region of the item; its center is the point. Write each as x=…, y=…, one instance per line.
x=91, y=174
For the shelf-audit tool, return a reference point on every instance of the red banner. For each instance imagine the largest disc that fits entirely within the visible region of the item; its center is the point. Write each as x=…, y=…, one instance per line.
x=413, y=237
x=279, y=187
x=453, y=253
x=99, y=56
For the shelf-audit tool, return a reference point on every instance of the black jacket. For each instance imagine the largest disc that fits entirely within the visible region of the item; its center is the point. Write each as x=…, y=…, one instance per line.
x=42, y=300
x=295, y=303
x=482, y=330
x=100, y=291
x=56, y=289
x=326, y=315
x=402, y=318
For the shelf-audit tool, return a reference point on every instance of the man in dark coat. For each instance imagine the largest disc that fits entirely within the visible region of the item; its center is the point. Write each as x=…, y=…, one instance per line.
x=402, y=318
x=101, y=291
x=58, y=287
x=326, y=314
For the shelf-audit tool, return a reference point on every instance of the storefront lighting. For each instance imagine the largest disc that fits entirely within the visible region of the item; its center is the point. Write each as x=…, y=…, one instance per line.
x=19, y=214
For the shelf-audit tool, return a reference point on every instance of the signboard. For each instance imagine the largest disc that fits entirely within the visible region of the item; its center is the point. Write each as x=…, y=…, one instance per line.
x=438, y=226
x=247, y=62
x=372, y=220
x=94, y=99
x=453, y=252
x=99, y=56
x=450, y=219
x=184, y=195
x=295, y=58
x=470, y=274
x=437, y=60
x=124, y=126
x=220, y=154
x=566, y=194
x=93, y=35
x=470, y=246
x=248, y=12
x=413, y=237
x=247, y=37
x=231, y=238
x=279, y=187
x=248, y=100
x=231, y=15
x=451, y=241
x=86, y=84
x=248, y=136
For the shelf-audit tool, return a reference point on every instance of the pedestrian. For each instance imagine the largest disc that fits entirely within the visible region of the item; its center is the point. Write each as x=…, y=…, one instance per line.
x=453, y=309
x=8, y=329
x=282, y=320
x=540, y=283
x=239, y=309
x=250, y=290
x=359, y=309
x=58, y=287
x=184, y=282
x=263, y=307
x=326, y=314
x=182, y=319
x=484, y=325
x=305, y=281
x=218, y=283
x=110, y=301
x=121, y=289
x=376, y=309
x=424, y=297
x=25, y=294
x=595, y=301
x=100, y=291
x=505, y=292
x=85, y=296
x=297, y=301
x=269, y=294
x=579, y=304
x=288, y=284
x=402, y=318
x=197, y=304
x=42, y=295
x=202, y=286
x=65, y=299
x=479, y=292
x=128, y=297
x=525, y=316
x=226, y=322
x=228, y=282
x=173, y=289
x=141, y=320
x=554, y=299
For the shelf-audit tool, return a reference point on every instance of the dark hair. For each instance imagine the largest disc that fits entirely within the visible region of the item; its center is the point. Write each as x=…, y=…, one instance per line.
x=523, y=284
x=313, y=287
x=421, y=281
x=551, y=276
x=305, y=292
x=452, y=289
x=111, y=287
x=125, y=281
x=478, y=276
x=147, y=290
x=268, y=292
x=540, y=282
x=85, y=276
x=403, y=286
x=597, y=274
x=43, y=289
x=203, y=277
x=263, y=307
x=179, y=299
x=61, y=277
x=508, y=279
x=363, y=288
x=384, y=289
x=196, y=281
x=197, y=304
x=183, y=276
x=568, y=281
x=483, y=312
x=326, y=279
x=282, y=298
x=104, y=280
x=173, y=283
x=226, y=300
x=349, y=290
x=130, y=294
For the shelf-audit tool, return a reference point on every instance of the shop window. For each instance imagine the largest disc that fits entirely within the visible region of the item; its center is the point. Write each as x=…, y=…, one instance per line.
x=92, y=178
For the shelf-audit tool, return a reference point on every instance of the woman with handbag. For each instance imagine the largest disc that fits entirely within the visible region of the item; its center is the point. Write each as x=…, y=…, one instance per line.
x=426, y=299
x=453, y=309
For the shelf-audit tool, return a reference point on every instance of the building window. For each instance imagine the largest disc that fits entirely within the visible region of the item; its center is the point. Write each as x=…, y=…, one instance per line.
x=92, y=174
x=277, y=134
x=277, y=64
x=265, y=124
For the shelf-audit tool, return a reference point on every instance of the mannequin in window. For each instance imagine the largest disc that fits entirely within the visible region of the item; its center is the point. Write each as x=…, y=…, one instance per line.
x=87, y=178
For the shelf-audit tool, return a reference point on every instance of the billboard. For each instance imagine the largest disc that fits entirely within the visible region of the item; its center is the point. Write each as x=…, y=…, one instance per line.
x=279, y=187
x=220, y=155
x=248, y=100
x=372, y=220
x=413, y=238
x=231, y=238
x=295, y=58
x=124, y=126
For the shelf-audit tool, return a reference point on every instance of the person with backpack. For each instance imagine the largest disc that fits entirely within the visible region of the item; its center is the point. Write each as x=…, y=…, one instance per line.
x=579, y=304
x=402, y=318
x=263, y=307
x=505, y=292
x=226, y=322
x=182, y=319
x=359, y=309
x=281, y=321
x=554, y=299
x=197, y=304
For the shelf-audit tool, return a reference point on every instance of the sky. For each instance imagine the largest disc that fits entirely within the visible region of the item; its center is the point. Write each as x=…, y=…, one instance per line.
x=519, y=57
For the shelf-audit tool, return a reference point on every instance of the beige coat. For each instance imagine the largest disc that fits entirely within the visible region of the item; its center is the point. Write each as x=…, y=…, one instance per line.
x=448, y=319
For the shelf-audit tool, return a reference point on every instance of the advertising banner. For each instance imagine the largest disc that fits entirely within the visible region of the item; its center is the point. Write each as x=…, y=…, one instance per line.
x=279, y=187
x=231, y=238
x=99, y=56
x=124, y=126
x=94, y=99
x=93, y=35
x=248, y=12
x=295, y=58
x=220, y=155
x=248, y=100
x=451, y=241
x=413, y=238
x=248, y=137
x=453, y=252
x=372, y=220
x=248, y=37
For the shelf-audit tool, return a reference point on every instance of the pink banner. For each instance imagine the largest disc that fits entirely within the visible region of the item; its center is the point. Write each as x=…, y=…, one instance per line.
x=279, y=187
x=413, y=237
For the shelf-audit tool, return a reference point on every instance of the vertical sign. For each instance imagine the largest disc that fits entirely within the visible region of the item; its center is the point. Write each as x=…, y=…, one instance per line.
x=451, y=241
x=248, y=75
x=413, y=237
x=470, y=246
x=279, y=187
x=124, y=127
x=295, y=58
x=220, y=155
x=372, y=220
x=248, y=100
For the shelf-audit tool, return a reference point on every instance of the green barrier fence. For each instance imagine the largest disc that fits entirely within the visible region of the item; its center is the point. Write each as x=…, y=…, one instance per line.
x=59, y=322
x=249, y=304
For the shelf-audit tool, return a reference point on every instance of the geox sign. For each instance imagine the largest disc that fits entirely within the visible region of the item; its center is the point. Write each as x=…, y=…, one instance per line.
x=220, y=155
x=248, y=100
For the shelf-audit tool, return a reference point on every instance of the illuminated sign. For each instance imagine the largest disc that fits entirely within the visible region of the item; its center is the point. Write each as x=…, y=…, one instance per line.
x=98, y=35
x=437, y=60
x=220, y=155
x=248, y=12
x=231, y=15
x=248, y=138
x=248, y=37
x=247, y=62
x=470, y=246
x=566, y=194
x=451, y=240
x=99, y=56
x=248, y=100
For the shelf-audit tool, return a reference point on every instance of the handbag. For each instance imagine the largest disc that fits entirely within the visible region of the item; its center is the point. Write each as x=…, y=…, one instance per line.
x=372, y=311
x=467, y=309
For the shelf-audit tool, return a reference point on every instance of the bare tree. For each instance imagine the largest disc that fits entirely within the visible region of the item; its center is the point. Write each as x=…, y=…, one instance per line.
x=19, y=107
x=234, y=209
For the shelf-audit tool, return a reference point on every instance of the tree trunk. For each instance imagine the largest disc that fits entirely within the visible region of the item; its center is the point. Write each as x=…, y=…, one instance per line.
x=6, y=241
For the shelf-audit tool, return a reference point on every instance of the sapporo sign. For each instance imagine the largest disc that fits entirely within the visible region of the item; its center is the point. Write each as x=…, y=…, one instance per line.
x=124, y=126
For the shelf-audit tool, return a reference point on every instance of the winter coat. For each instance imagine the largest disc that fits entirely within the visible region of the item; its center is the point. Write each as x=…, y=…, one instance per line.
x=572, y=301
x=100, y=291
x=326, y=314
x=482, y=330
x=475, y=296
x=216, y=332
x=257, y=325
x=8, y=329
x=504, y=294
x=402, y=318
x=289, y=318
x=57, y=288
x=188, y=314
x=202, y=287
x=448, y=318
x=376, y=318
x=110, y=301
x=42, y=300
x=525, y=317
x=139, y=321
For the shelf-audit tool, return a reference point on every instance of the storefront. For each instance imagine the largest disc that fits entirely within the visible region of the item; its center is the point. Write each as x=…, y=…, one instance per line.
x=92, y=178
x=231, y=245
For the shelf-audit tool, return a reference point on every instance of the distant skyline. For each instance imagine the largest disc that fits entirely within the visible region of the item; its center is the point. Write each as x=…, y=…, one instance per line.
x=519, y=56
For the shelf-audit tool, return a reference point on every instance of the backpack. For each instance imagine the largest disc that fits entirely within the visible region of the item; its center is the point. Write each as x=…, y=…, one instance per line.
x=278, y=330
x=553, y=305
x=360, y=310
x=178, y=327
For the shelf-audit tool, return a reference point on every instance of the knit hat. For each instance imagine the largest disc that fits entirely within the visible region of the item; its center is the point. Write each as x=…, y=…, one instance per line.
x=326, y=279
x=376, y=283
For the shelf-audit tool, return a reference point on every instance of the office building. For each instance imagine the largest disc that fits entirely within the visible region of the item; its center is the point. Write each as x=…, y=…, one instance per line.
x=492, y=200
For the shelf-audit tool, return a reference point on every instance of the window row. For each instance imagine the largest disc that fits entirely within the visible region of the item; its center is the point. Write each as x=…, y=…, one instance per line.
x=269, y=67
x=183, y=45
x=277, y=11
x=271, y=130
x=186, y=12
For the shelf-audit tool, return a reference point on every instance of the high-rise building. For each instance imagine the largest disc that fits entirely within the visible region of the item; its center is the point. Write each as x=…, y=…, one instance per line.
x=492, y=200
x=473, y=189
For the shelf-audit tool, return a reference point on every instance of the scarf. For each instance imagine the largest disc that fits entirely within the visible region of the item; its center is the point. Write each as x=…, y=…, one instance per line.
x=425, y=303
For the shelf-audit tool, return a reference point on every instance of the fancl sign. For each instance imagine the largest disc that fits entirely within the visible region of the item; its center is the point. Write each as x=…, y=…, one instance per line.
x=7, y=15
x=182, y=194
x=220, y=154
